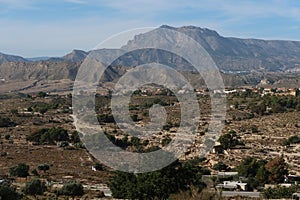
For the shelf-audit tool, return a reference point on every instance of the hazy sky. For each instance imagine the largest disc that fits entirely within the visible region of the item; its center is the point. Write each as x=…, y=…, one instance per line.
x=32, y=28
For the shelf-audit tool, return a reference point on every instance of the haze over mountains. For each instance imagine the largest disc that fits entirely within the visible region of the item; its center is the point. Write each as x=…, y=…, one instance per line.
x=234, y=56
x=10, y=58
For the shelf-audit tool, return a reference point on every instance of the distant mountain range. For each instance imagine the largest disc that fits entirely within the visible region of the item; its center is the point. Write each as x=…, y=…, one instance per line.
x=10, y=58
x=38, y=58
x=233, y=56
x=230, y=54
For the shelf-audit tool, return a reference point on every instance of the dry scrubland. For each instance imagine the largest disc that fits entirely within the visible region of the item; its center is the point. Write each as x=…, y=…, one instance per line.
x=266, y=142
x=263, y=135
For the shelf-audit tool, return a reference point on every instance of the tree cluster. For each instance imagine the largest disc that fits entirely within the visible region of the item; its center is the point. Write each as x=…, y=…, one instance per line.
x=280, y=192
x=49, y=136
x=159, y=184
x=230, y=140
x=260, y=172
x=42, y=107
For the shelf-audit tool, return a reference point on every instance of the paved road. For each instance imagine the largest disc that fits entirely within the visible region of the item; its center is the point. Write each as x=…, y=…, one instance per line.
x=246, y=194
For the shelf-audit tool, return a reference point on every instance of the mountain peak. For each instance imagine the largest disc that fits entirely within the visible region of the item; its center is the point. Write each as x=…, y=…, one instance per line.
x=75, y=56
x=196, y=29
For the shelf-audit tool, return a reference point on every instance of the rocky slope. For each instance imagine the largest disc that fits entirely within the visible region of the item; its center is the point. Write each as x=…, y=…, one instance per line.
x=242, y=61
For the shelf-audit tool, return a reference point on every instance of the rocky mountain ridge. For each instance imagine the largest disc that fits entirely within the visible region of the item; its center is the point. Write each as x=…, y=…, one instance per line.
x=242, y=61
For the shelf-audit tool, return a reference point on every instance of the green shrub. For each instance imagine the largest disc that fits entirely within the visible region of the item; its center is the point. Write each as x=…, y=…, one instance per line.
x=21, y=170
x=99, y=167
x=159, y=184
x=7, y=136
x=8, y=193
x=291, y=140
x=6, y=122
x=34, y=187
x=50, y=136
x=280, y=192
x=220, y=166
x=44, y=167
x=72, y=189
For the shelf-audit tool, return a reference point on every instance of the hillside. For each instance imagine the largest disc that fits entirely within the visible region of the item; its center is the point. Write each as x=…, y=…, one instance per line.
x=241, y=61
x=11, y=58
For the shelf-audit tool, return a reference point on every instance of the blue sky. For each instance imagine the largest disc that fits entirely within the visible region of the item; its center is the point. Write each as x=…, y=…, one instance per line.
x=32, y=28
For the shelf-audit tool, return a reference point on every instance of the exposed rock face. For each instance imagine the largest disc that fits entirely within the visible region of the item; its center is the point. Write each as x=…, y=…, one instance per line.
x=243, y=61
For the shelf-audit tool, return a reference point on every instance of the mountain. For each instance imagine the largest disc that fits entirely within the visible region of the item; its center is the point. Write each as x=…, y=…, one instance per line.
x=10, y=58
x=232, y=55
x=75, y=56
x=38, y=58
x=241, y=61
x=42, y=70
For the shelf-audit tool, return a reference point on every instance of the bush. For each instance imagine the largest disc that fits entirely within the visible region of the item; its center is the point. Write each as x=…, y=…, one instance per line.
x=35, y=187
x=8, y=193
x=291, y=140
x=50, y=136
x=21, y=170
x=72, y=189
x=35, y=172
x=29, y=109
x=44, y=167
x=42, y=94
x=44, y=107
x=134, y=118
x=14, y=111
x=135, y=141
x=220, y=166
x=99, y=167
x=254, y=129
x=106, y=118
x=229, y=140
x=166, y=141
x=6, y=122
x=280, y=192
x=75, y=137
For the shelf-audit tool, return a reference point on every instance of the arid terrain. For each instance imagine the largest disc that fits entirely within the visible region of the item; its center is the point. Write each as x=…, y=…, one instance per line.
x=262, y=135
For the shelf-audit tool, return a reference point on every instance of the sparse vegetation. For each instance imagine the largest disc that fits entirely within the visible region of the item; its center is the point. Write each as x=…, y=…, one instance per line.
x=49, y=136
x=249, y=129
